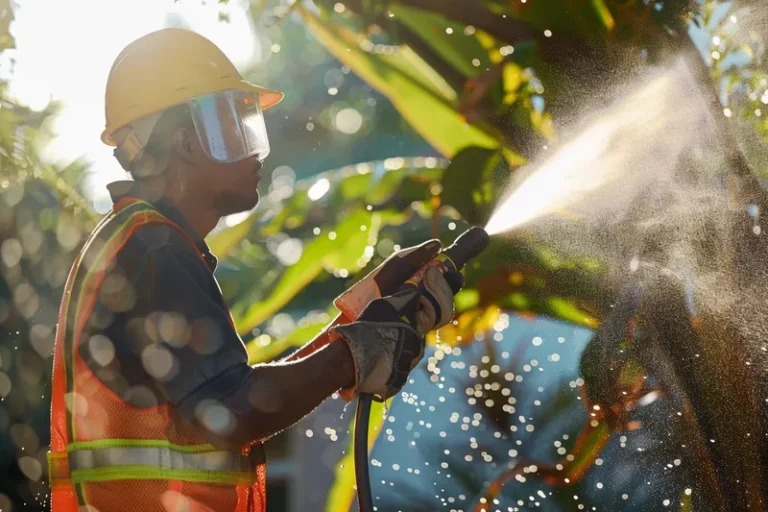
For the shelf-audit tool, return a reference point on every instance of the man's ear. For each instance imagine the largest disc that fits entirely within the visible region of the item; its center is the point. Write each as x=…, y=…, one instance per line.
x=185, y=144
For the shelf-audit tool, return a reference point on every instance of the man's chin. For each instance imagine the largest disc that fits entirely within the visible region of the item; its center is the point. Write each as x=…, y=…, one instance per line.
x=229, y=204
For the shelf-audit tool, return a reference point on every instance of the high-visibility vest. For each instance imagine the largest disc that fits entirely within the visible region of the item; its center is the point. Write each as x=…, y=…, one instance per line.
x=107, y=455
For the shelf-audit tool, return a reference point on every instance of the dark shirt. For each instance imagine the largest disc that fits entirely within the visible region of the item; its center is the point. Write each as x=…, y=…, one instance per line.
x=161, y=331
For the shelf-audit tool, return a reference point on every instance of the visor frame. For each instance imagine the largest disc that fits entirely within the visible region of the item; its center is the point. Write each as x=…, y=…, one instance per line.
x=230, y=128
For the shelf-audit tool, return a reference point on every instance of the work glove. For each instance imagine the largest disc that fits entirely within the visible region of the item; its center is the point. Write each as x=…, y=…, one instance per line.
x=388, y=277
x=387, y=339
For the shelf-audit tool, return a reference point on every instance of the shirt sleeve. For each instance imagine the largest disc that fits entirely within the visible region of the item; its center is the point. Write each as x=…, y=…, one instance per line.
x=176, y=339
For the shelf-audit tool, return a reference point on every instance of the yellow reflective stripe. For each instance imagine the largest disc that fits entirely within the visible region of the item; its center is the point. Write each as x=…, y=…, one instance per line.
x=69, y=368
x=100, y=256
x=220, y=461
x=157, y=457
x=84, y=476
x=139, y=443
x=443, y=257
x=75, y=274
x=57, y=464
x=66, y=302
x=58, y=468
x=96, y=264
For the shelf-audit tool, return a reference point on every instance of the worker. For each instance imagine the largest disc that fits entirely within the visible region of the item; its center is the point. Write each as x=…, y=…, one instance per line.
x=154, y=405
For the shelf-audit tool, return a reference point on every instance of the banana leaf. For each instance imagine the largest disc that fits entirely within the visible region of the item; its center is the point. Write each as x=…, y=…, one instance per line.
x=416, y=90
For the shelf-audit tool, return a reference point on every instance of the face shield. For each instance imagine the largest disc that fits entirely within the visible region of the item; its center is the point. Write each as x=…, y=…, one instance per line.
x=230, y=125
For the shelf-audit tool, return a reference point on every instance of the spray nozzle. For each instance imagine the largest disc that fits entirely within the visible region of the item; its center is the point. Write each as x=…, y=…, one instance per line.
x=467, y=246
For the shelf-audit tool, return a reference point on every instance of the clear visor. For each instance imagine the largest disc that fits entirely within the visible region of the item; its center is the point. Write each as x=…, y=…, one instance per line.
x=230, y=125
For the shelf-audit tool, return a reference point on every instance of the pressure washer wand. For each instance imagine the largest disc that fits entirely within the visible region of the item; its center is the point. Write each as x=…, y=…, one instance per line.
x=466, y=247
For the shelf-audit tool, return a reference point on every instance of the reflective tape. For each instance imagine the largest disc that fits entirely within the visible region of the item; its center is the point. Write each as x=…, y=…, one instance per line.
x=58, y=468
x=160, y=457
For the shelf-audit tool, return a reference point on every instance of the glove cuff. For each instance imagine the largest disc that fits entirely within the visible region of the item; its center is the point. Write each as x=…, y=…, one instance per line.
x=383, y=353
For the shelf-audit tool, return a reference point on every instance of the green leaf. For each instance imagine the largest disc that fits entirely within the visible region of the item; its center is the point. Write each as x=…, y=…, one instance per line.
x=265, y=353
x=355, y=186
x=467, y=299
x=403, y=186
x=566, y=310
x=343, y=252
x=386, y=186
x=292, y=214
x=7, y=40
x=393, y=217
x=586, y=19
x=222, y=242
x=473, y=181
x=457, y=48
x=513, y=77
x=414, y=88
x=357, y=232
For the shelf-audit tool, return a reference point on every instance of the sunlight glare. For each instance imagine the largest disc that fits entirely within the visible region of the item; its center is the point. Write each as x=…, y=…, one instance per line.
x=64, y=51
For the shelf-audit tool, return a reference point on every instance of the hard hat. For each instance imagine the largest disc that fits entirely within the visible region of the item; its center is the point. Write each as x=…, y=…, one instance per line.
x=167, y=68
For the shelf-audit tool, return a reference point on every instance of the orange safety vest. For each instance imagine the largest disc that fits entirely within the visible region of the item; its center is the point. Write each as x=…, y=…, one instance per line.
x=107, y=455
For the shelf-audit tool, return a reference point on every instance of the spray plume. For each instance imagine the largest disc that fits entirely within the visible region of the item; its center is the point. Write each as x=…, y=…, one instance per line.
x=613, y=156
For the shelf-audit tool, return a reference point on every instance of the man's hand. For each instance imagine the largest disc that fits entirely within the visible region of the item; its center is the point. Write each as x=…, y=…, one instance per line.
x=387, y=339
x=388, y=277
x=401, y=265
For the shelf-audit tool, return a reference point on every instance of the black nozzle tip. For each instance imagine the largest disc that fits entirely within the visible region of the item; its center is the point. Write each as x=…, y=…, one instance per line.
x=479, y=234
x=468, y=245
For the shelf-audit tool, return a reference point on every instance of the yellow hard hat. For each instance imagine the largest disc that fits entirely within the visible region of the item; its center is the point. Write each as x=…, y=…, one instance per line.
x=168, y=68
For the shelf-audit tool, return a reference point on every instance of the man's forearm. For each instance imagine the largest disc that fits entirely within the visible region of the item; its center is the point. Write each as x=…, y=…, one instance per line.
x=320, y=341
x=277, y=395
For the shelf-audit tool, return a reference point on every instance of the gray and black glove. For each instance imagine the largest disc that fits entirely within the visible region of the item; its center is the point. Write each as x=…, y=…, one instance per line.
x=387, y=339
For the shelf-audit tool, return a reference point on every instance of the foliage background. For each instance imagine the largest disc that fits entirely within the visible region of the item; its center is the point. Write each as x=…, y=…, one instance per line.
x=449, y=99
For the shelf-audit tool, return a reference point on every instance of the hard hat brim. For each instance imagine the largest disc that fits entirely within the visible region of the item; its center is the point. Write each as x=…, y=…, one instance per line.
x=268, y=98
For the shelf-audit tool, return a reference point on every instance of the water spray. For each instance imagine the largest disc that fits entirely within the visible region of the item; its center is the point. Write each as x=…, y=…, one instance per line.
x=626, y=148
x=452, y=259
x=613, y=155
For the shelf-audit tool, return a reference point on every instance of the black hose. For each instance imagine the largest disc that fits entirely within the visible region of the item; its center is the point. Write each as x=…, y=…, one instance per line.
x=363, y=481
x=467, y=246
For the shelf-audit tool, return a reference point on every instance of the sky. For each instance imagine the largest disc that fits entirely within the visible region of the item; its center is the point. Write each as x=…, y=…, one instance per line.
x=64, y=50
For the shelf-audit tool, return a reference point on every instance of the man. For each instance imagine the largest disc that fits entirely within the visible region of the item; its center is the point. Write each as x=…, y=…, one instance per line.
x=154, y=406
